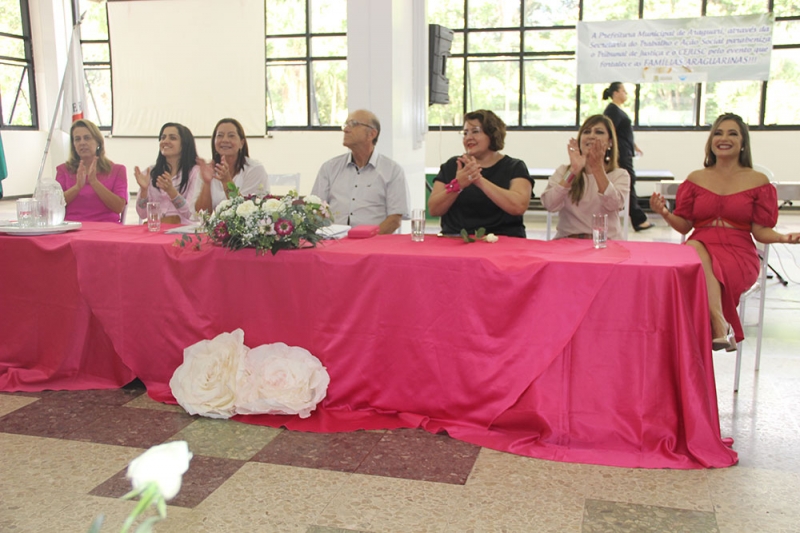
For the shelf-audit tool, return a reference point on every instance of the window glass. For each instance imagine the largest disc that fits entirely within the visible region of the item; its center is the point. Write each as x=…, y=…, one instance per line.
x=551, y=40
x=666, y=9
x=329, y=105
x=783, y=105
x=493, y=13
x=718, y=8
x=667, y=104
x=494, y=84
x=329, y=46
x=550, y=13
x=286, y=17
x=18, y=99
x=550, y=92
x=740, y=97
x=493, y=42
x=286, y=94
x=328, y=16
x=618, y=10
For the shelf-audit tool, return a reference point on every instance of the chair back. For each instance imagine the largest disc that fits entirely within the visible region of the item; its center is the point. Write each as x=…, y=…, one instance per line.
x=284, y=182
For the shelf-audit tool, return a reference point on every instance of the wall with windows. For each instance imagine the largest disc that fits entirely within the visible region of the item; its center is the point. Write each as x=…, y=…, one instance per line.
x=298, y=145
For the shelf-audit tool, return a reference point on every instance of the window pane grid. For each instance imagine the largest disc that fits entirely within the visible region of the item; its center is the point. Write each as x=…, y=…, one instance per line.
x=17, y=84
x=546, y=36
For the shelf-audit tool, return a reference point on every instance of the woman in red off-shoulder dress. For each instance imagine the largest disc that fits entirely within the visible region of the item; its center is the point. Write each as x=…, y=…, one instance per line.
x=727, y=203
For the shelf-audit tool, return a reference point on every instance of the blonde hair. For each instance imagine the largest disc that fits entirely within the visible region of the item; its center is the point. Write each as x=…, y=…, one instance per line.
x=612, y=154
x=103, y=163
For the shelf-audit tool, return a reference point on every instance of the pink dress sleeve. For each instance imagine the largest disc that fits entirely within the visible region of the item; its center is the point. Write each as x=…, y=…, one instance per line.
x=120, y=184
x=61, y=176
x=765, y=206
x=684, y=200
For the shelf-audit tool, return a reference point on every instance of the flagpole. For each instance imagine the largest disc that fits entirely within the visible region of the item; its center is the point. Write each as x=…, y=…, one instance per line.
x=60, y=97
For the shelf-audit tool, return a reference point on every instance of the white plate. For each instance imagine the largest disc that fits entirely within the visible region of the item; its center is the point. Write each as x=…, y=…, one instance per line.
x=40, y=230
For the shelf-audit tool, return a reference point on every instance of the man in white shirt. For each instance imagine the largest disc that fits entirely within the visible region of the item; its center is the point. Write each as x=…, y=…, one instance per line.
x=363, y=186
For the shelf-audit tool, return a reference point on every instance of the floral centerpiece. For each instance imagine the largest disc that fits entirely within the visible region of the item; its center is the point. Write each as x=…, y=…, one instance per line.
x=268, y=223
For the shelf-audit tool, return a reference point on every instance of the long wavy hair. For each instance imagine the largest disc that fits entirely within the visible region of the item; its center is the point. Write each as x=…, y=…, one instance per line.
x=745, y=156
x=611, y=156
x=244, y=152
x=187, y=161
x=103, y=163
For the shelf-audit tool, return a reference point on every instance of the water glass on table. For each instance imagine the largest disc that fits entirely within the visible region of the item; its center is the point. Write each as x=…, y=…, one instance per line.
x=27, y=212
x=418, y=225
x=599, y=230
x=153, y=216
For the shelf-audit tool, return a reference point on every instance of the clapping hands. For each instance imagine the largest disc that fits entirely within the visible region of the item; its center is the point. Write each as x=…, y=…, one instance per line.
x=468, y=171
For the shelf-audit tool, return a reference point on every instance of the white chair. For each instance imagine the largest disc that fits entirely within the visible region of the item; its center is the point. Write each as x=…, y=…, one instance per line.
x=287, y=181
x=624, y=214
x=759, y=287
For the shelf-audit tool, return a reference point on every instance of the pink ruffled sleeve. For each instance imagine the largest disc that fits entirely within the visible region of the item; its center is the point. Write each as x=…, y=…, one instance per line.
x=684, y=200
x=765, y=206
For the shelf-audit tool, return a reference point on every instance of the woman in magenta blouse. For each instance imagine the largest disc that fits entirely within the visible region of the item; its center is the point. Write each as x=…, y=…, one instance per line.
x=95, y=189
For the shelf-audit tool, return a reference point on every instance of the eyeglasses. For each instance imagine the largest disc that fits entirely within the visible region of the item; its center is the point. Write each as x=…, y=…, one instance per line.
x=354, y=123
x=474, y=131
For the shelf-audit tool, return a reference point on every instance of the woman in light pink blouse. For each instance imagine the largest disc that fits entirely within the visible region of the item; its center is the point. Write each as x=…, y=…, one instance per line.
x=95, y=189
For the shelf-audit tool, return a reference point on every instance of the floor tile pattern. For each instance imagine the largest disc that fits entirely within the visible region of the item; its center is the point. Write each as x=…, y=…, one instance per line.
x=63, y=457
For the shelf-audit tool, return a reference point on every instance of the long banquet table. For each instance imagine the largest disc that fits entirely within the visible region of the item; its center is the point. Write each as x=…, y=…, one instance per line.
x=547, y=349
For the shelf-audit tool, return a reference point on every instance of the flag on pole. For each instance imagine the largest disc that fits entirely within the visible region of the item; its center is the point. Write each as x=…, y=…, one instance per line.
x=74, y=103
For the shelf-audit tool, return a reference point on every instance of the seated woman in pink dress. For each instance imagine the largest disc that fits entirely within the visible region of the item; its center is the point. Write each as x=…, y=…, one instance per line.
x=95, y=189
x=725, y=203
x=174, y=181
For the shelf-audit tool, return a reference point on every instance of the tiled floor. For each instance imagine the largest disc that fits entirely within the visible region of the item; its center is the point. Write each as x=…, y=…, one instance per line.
x=63, y=457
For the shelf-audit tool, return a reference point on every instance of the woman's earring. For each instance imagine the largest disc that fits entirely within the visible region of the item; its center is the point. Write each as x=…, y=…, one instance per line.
x=608, y=155
x=97, y=152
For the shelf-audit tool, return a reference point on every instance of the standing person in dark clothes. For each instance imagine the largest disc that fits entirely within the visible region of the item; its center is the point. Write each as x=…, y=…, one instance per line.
x=627, y=148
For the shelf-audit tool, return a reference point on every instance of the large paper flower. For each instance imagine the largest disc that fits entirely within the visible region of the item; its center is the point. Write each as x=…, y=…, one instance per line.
x=205, y=383
x=280, y=379
x=163, y=465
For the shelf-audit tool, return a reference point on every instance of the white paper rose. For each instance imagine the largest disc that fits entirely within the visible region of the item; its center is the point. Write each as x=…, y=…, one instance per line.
x=163, y=465
x=491, y=238
x=222, y=205
x=205, y=383
x=280, y=379
x=246, y=208
x=313, y=199
x=271, y=205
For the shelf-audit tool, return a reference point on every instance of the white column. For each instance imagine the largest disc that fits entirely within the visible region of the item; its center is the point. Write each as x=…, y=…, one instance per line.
x=387, y=73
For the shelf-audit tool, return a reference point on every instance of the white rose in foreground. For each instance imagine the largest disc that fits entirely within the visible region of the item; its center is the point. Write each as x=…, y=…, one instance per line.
x=277, y=379
x=246, y=208
x=205, y=383
x=313, y=199
x=222, y=206
x=164, y=464
x=491, y=238
x=272, y=205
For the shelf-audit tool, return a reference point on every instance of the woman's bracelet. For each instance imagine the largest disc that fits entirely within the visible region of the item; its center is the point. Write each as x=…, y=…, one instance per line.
x=570, y=177
x=141, y=201
x=179, y=201
x=453, y=186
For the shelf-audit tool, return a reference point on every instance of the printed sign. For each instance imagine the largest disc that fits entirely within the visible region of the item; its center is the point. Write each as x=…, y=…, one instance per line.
x=687, y=50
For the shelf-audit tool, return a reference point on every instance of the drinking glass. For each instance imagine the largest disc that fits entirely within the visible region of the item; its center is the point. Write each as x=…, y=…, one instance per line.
x=153, y=216
x=27, y=212
x=599, y=230
x=418, y=225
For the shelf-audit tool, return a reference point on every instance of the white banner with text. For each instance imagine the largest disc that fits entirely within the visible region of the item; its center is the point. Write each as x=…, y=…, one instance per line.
x=687, y=50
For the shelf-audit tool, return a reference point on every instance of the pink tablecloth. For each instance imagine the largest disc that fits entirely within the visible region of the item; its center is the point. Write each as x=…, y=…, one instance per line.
x=546, y=349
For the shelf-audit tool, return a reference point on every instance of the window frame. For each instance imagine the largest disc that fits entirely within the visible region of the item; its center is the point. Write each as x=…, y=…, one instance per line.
x=28, y=65
x=308, y=61
x=521, y=56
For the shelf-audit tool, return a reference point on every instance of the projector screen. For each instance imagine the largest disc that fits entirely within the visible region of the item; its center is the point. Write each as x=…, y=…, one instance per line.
x=187, y=61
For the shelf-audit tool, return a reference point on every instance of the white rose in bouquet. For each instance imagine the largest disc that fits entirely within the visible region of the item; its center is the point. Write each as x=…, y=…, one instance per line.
x=280, y=379
x=205, y=383
x=223, y=205
x=271, y=205
x=163, y=465
x=313, y=199
x=246, y=208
